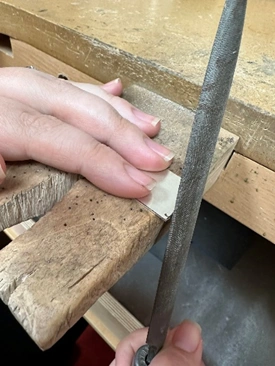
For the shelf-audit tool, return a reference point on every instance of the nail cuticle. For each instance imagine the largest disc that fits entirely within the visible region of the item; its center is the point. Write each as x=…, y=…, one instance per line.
x=140, y=177
x=161, y=150
x=145, y=117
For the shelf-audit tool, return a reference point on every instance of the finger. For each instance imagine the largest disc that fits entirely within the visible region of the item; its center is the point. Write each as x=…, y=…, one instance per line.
x=114, y=87
x=90, y=113
x=173, y=356
x=127, y=348
x=150, y=125
x=55, y=143
x=183, y=347
x=147, y=123
x=2, y=169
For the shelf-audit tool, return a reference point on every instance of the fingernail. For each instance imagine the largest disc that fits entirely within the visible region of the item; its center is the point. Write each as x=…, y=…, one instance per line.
x=161, y=150
x=116, y=81
x=140, y=177
x=145, y=117
x=2, y=174
x=188, y=337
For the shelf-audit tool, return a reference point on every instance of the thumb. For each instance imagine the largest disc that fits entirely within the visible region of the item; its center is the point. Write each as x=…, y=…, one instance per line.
x=184, y=347
x=2, y=169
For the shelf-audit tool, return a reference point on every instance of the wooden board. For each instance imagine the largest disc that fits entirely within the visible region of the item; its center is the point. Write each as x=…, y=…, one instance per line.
x=107, y=316
x=52, y=274
x=111, y=320
x=246, y=192
x=167, y=57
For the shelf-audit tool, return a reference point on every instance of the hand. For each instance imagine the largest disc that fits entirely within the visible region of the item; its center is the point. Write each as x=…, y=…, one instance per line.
x=79, y=128
x=183, y=347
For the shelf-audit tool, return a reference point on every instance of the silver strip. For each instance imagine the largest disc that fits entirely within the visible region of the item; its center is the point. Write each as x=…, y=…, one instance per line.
x=162, y=199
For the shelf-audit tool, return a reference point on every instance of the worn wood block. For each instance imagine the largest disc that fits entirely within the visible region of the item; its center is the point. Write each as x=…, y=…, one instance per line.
x=57, y=269
x=245, y=191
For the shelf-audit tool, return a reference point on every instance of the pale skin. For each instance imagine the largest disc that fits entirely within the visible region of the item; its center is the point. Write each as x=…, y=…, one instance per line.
x=90, y=130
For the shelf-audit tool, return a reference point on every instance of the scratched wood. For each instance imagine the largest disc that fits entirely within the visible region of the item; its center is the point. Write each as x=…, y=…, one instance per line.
x=167, y=57
x=29, y=190
x=245, y=191
x=53, y=273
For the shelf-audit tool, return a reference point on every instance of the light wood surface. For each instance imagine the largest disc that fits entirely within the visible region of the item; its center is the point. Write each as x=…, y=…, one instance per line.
x=25, y=55
x=246, y=191
x=29, y=190
x=111, y=320
x=163, y=46
x=107, y=316
x=54, y=272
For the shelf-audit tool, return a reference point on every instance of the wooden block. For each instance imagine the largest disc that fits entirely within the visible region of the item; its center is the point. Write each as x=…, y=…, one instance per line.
x=245, y=191
x=52, y=274
x=107, y=316
x=29, y=190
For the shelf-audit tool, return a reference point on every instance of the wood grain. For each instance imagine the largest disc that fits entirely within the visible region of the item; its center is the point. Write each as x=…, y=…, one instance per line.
x=107, y=316
x=111, y=320
x=57, y=269
x=246, y=192
x=25, y=55
x=29, y=190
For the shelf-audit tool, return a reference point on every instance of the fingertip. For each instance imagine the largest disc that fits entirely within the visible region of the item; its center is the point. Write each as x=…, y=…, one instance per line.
x=149, y=124
x=113, y=87
x=187, y=336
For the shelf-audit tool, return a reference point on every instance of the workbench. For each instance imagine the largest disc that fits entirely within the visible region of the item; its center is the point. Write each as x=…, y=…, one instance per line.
x=53, y=273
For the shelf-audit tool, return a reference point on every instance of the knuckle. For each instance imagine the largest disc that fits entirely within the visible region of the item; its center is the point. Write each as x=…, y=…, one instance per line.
x=97, y=151
x=94, y=155
x=35, y=122
x=120, y=128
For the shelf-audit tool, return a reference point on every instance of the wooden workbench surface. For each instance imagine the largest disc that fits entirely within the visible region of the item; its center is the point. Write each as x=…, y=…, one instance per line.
x=163, y=46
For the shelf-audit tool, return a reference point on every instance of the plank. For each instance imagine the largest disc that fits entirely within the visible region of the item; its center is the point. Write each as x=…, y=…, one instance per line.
x=246, y=191
x=169, y=59
x=111, y=320
x=52, y=274
x=107, y=316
